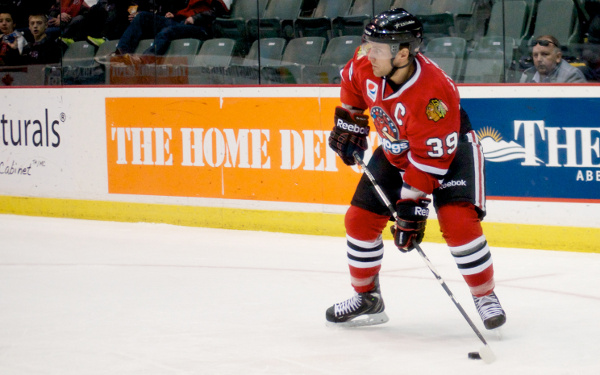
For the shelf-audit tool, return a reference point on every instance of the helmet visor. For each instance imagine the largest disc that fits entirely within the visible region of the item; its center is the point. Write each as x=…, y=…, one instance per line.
x=377, y=50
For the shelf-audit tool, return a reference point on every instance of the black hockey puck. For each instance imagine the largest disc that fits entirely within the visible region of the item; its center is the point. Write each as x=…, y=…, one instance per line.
x=474, y=355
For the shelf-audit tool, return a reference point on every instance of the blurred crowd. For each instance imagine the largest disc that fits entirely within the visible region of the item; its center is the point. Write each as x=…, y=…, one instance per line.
x=40, y=31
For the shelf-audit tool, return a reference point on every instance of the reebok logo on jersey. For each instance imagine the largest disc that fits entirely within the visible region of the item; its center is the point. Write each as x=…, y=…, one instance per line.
x=436, y=110
x=453, y=183
x=372, y=89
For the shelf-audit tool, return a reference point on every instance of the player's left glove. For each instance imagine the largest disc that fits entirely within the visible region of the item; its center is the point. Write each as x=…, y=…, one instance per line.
x=349, y=134
x=410, y=226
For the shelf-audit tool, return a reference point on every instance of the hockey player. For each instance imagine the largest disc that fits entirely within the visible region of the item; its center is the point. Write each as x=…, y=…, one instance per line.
x=428, y=147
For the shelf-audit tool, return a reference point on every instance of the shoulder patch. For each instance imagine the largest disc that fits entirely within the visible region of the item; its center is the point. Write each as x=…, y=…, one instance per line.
x=436, y=110
x=372, y=89
x=362, y=51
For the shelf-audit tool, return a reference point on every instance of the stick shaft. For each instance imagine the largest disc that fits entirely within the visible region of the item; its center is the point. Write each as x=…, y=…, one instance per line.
x=439, y=278
x=449, y=292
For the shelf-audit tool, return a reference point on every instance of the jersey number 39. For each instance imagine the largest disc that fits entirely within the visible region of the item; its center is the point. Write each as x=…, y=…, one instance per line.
x=439, y=147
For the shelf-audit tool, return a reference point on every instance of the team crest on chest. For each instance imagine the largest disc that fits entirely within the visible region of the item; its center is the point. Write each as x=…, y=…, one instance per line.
x=436, y=110
x=387, y=128
x=372, y=89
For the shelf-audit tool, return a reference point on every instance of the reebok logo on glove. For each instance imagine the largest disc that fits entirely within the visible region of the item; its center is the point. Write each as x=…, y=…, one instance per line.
x=353, y=128
x=420, y=211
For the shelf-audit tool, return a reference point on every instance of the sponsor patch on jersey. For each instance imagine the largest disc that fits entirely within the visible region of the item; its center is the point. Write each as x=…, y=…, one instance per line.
x=436, y=110
x=372, y=89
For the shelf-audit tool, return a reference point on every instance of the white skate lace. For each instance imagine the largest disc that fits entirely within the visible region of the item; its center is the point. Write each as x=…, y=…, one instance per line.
x=348, y=305
x=488, y=306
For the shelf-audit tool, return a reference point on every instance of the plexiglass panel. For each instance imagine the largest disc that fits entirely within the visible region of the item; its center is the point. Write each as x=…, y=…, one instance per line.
x=249, y=42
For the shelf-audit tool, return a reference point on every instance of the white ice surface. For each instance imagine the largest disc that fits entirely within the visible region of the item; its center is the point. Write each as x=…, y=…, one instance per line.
x=85, y=297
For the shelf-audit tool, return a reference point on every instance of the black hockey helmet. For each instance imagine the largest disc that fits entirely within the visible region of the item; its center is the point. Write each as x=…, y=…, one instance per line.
x=395, y=27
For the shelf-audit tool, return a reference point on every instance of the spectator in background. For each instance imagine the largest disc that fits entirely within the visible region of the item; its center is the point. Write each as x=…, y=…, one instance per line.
x=192, y=21
x=482, y=11
x=548, y=64
x=22, y=10
x=12, y=42
x=591, y=52
x=42, y=50
x=118, y=14
x=591, y=56
x=105, y=20
x=65, y=14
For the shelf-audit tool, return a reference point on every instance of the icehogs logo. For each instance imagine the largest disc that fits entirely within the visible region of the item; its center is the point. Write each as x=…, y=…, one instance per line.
x=436, y=110
x=388, y=131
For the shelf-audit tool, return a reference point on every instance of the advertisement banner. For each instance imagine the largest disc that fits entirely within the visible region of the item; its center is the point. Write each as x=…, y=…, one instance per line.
x=539, y=148
x=269, y=149
x=275, y=149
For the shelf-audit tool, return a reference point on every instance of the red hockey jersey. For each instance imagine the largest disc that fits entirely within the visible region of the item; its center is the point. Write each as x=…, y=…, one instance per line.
x=419, y=124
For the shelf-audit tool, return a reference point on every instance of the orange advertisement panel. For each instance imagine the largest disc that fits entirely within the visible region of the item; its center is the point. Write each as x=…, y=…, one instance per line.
x=267, y=149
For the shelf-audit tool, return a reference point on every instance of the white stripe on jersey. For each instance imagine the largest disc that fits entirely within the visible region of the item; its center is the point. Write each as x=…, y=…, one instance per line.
x=478, y=164
x=406, y=84
x=426, y=168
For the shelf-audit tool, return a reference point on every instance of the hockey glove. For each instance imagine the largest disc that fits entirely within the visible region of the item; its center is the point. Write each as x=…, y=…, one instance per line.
x=349, y=134
x=410, y=226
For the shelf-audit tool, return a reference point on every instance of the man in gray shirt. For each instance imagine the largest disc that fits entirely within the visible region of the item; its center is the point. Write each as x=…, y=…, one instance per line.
x=549, y=66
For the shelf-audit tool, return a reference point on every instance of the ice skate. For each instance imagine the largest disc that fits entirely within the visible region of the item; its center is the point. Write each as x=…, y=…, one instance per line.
x=363, y=309
x=490, y=310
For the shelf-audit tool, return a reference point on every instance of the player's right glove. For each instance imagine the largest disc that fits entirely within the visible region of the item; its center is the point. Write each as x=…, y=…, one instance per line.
x=349, y=134
x=410, y=226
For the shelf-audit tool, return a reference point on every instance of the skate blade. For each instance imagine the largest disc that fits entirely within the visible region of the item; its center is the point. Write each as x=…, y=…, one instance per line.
x=362, y=321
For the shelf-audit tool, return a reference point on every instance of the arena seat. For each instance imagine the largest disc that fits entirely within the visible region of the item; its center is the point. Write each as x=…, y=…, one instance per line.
x=210, y=63
x=338, y=52
x=277, y=20
x=299, y=52
x=235, y=26
x=263, y=52
x=358, y=16
x=320, y=22
x=448, y=53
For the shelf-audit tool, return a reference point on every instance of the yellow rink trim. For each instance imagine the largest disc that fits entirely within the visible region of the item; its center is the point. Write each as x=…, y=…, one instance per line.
x=498, y=234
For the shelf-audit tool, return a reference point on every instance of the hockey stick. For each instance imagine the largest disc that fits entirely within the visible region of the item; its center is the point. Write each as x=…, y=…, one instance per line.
x=485, y=352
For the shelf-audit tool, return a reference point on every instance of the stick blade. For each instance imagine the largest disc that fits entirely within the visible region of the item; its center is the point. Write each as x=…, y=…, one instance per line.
x=487, y=354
